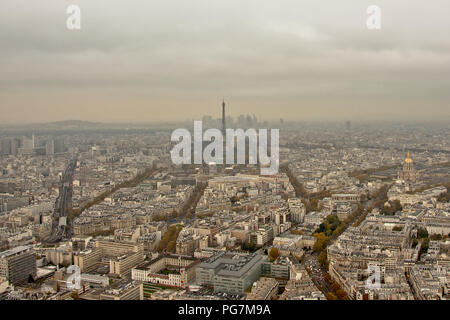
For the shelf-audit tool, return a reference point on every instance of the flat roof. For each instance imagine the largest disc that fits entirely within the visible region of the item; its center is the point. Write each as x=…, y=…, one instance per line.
x=14, y=251
x=231, y=263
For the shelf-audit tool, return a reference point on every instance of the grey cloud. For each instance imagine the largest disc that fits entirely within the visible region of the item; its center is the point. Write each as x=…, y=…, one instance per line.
x=303, y=58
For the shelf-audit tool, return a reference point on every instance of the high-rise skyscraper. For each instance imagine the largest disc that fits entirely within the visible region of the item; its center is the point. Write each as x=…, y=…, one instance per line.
x=6, y=146
x=58, y=145
x=28, y=143
x=348, y=125
x=50, y=147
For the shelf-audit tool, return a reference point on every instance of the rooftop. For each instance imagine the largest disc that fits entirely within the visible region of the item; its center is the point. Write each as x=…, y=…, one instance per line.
x=14, y=251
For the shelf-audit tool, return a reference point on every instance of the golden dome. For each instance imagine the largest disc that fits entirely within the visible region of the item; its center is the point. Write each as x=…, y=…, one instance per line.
x=408, y=159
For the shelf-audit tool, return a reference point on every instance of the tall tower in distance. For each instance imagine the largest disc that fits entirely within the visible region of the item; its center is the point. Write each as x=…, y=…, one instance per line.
x=348, y=125
x=223, y=118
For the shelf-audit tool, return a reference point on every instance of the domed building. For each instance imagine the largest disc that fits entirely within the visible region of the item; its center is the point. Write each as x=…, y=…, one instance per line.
x=408, y=173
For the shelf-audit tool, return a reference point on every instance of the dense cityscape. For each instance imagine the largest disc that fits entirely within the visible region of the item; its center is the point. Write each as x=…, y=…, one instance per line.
x=357, y=211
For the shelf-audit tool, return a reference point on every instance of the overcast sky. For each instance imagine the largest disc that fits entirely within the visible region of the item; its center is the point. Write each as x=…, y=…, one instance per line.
x=151, y=60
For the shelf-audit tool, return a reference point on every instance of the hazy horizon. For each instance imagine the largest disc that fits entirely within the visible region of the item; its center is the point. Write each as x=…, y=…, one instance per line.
x=271, y=122
x=158, y=61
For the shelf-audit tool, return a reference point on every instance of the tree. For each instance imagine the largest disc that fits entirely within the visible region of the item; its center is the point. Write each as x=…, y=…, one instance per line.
x=248, y=246
x=321, y=241
x=335, y=286
x=74, y=295
x=425, y=245
x=171, y=246
x=341, y=294
x=422, y=233
x=397, y=205
x=168, y=241
x=323, y=259
x=30, y=278
x=435, y=237
x=330, y=225
x=274, y=254
x=330, y=296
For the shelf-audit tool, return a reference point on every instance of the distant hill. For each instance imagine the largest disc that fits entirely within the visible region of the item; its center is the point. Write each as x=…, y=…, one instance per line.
x=80, y=125
x=71, y=124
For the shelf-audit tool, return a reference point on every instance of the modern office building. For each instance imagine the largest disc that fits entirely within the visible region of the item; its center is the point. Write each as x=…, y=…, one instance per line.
x=118, y=248
x=121, y=266
x=16, y=265
x=88, y=259
x=230, y=272
x=58, y=145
